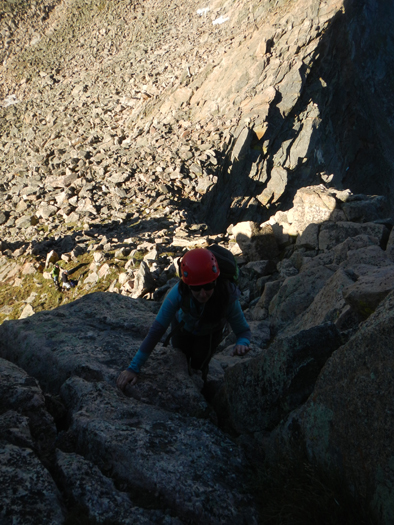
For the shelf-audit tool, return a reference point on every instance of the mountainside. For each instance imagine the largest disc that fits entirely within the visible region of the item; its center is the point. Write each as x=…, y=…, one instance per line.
x=133, y=131
x=242, y=113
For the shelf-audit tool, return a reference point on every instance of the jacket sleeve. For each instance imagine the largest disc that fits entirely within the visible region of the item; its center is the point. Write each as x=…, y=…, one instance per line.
x=238, y=323
x=163, y=320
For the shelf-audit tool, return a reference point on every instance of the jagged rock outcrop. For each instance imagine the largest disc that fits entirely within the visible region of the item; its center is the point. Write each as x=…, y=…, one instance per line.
x=260, y=393
x=27, y=441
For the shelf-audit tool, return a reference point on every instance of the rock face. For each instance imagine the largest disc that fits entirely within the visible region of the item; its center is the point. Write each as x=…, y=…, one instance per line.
x=262, y=392
x=158, y=452
x=347, y=422
x=27, y=437
x=232, y=118
x=161, y=449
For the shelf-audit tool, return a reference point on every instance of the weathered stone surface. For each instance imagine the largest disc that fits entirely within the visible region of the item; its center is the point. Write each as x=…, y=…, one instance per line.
x=165, y=383
x=275, y=187
x=350, y=411
x=87, y=486
x=203, y=123
x=154, y=443
x=27, y=311
x=144, y=281
x=159, y=443
x=370, y=289
x=256, y=243
x=22, y=394
x=312, y=205
x=28, y=493
x=328, y=304
x=332, y=234
x=260, y=311
x=296, y=294
x=365, y=208
x=257, y=394
x=51, y=258
x=242, y=145
x=34, y=341
x=27, y=436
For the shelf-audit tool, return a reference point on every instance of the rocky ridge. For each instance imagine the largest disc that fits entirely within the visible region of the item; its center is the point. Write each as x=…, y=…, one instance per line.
x=131, y=132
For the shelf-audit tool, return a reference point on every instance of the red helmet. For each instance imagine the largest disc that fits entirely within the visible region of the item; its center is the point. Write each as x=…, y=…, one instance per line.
x=198, y=267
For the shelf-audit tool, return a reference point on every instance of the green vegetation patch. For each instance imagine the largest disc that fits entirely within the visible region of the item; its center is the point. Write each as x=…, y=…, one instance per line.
x=44, y=295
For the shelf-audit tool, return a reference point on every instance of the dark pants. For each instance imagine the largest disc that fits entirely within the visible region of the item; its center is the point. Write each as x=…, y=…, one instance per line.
x=198, y=349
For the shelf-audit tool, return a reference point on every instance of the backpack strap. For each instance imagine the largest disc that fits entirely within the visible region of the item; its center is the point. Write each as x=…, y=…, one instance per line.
x=179, y=326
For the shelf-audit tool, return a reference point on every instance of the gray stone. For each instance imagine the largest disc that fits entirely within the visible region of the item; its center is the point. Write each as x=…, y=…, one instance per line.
x=312, y=205
x=332, y=234
x=242, y=145
x=258, y=394
x=275, y=187
x=296, y=294
x=3, y=217
x=350, y=410
x=26, y=221
x=366, y=294
x=28, y=492
x=256, y=242
x=364, y=208
x=26, y=312
x=88, y=487
x=328, y=305
x=154, y=441
x=144, y=281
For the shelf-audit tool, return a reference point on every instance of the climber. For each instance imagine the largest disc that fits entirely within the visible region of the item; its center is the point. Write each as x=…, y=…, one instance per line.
x=66, y=282
x=55, y=275
x=197, y=308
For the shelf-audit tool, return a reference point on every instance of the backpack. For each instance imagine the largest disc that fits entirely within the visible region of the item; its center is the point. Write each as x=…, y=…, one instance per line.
x=227, y=264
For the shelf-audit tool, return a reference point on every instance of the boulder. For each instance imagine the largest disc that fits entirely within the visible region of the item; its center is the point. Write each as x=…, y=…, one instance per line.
x=51, y=258
x=311, y=205
x=296, y=294
x=144, y=281
x=88, y=487
x=365, y=208
x=328, y=304
x=53, y=345
x=27, y=311
x=22, y=394
x=181, y=463
x=332, y=234
x=27, y=447
x=346, y=425
x=259, y=393
x=365, y=295
x=260, y=311
x=257, y=243
x=165, y=382
x=275, y=187
x=28, y=493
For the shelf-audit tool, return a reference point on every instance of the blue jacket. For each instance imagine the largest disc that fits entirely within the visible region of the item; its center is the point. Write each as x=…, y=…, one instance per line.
x=172, y=309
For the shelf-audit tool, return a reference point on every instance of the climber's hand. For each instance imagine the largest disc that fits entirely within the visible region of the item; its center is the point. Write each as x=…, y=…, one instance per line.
x=125, y=378
x=240, y=350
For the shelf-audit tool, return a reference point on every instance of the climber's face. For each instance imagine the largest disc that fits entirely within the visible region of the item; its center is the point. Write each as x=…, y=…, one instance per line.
x=202, y=296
